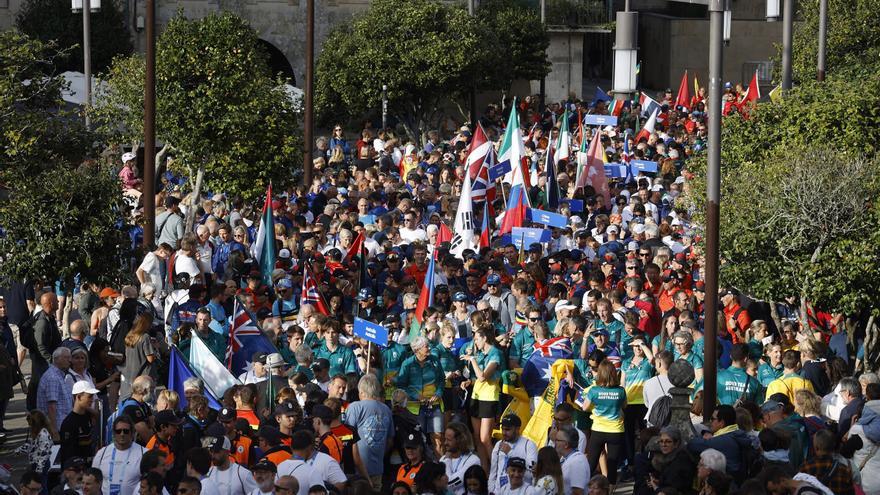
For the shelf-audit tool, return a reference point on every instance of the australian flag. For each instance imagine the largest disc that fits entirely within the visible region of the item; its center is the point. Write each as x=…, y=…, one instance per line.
x=245, y=338
x=536, y=371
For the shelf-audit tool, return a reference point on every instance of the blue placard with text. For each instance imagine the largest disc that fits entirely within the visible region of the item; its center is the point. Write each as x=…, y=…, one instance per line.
x=645, y=166
x=575, y=205
x=373, y=332
x=528, y=236
x=499, y=170
x=547, y=218
x=615, y=170
x=600, y=120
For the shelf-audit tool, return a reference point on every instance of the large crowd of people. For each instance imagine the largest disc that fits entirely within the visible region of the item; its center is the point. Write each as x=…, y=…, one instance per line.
x=508, y=368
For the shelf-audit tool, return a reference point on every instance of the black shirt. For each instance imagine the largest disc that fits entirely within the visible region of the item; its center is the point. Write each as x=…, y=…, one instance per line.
x=76, y=437
x=16, y=296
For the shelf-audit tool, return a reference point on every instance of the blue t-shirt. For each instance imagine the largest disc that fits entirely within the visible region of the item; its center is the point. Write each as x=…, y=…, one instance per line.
x=372, y=420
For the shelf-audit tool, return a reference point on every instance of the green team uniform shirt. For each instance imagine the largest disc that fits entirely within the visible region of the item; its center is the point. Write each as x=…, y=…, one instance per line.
x=608, y=404
x=731, y=384
x=342, y=360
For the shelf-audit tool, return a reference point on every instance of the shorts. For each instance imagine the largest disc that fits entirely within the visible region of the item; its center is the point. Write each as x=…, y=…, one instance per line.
x=484, y=409
x=431, y=419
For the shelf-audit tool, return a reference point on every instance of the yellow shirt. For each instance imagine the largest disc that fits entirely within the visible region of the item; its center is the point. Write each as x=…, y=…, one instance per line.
x=788, y=384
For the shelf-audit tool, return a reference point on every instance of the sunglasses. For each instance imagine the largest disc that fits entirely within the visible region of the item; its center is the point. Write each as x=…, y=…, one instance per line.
x=122, y=431
x=534, y=319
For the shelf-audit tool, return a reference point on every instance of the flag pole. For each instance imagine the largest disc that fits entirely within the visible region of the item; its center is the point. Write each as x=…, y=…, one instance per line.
x=369, y=354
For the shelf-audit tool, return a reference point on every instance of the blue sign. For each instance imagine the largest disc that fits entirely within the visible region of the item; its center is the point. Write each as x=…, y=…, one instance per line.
x=615, y=170
x=644, y=166
x=373, y=332
x=600, y=120
x=528, y=236
x=499, y=170
x=547, y=218
x=575, y=205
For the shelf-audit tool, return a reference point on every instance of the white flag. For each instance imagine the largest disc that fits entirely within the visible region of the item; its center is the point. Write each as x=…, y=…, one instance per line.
x=463, y=228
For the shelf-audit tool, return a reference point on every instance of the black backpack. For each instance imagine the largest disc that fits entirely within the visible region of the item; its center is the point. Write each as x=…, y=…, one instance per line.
x=26, y=334
x=661, y=410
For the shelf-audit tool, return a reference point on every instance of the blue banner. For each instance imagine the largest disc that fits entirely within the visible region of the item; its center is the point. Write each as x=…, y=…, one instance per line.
x=547, y=218
x=600, y=120
x=528, y=236
x=575, y=205
x=499, y=170
x=373, y=332
x=644, y=166
x=615, y=170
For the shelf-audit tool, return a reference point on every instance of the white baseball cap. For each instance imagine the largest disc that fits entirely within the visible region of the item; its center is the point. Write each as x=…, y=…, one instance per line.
x=84, y=387
x=127, y=157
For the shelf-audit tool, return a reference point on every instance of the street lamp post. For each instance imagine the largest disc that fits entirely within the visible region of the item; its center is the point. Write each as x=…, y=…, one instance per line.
x=308, y=142
x=384, y=106
x=150, y=125
x=787, y=28
x=713, y=199
x=543, y=87
x=87, y=6
x=823, y=31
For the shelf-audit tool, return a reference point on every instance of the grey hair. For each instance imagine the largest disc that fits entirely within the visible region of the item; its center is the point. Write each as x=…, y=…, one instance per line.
x=142, y=385
x=193, y=383
x=418, y=343
x=851, y=386
x=147, y=288
x=869, y=378
x=714, y=460
x=303, y=354
x=570, y=435
x=369, y=387
x=686, y=335
x=672, y=432
x=59, y=352
x=410, y=298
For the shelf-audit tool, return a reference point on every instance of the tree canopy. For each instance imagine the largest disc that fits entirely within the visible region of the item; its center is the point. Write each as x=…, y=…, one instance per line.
x=217, y=105
x=52, y=20
x=428, y=53
x=60, y=218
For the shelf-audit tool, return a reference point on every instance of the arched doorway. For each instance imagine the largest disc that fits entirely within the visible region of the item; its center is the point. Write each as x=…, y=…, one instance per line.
x=278, y=62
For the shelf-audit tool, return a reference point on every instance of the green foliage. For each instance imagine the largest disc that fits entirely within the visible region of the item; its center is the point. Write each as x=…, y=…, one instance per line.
x=838, y=113
x=852, y=43
x=58, y=220
x=427, y=52
x=52, y=20
x=521, y=39
x=216, y=104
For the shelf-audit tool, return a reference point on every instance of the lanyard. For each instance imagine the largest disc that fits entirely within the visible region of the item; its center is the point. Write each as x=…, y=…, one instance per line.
x=113, y=462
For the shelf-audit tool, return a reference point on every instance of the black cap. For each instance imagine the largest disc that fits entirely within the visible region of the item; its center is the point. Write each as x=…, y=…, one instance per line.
x=72, y=462
x=286, y=408
x=264, y=465
x=321, y=364
x=216, y=444
x=259, y=357
x=511, y=421
x=516, y=462
x=412, y=441
x=167, y=417
x=226, y=414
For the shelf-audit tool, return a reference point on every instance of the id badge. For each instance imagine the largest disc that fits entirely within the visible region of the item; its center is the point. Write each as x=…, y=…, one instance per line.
x=115, y=489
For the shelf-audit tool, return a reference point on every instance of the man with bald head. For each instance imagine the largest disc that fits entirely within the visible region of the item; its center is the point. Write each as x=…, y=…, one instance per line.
x=46, y=339
x=77, y=338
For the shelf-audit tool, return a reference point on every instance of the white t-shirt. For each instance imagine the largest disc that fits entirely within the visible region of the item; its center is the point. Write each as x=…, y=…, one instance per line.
x=524, y=489
x=186, y=264
x=205, y=253
x=152, y=267
x=575, y=472
x=235, y=480
x=653, y=389
x=411, y=235
x=455, y=469
x=320, y=469
x=522, y=447
x=121, y=469
x=209, y=487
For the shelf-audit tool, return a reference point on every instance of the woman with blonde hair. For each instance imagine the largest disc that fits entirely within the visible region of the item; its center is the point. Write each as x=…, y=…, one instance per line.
x=809, y=405
x=139, y=353
x=167, y=400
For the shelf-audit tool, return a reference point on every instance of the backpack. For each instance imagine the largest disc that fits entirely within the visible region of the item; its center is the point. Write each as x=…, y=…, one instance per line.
x=661, y=410
x=26, y=334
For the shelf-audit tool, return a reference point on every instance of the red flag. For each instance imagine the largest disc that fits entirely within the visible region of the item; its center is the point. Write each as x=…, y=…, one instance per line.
x=477, y=151
x=426, y=297
x=750, y=99
x=444, y=235
x=310, y=293
x=684, y=98
x=354, y=249
x=516, y=209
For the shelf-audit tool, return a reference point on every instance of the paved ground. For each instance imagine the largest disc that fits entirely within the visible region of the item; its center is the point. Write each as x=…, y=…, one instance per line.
x=16, y=423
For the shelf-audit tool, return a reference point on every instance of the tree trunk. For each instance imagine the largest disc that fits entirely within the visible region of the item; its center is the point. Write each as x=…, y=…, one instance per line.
x=196, y=194
x=872, y=352
x=774, y=314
